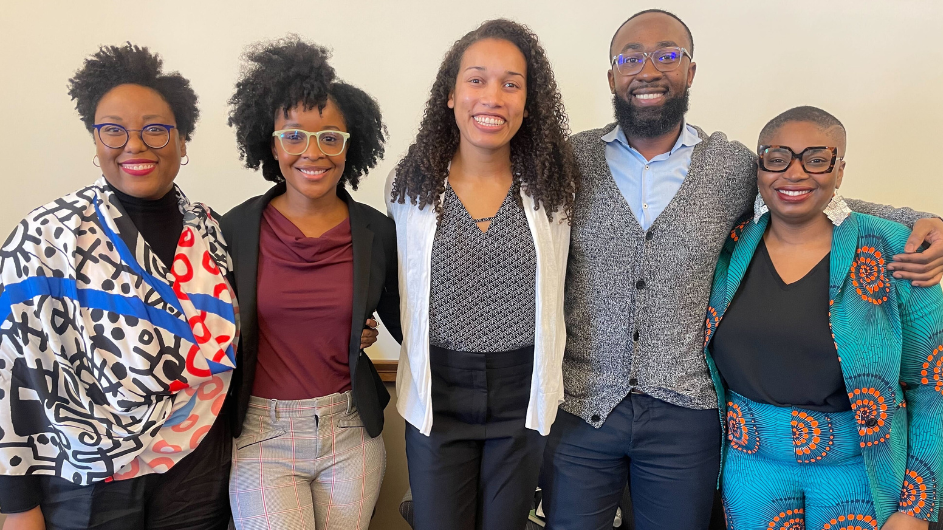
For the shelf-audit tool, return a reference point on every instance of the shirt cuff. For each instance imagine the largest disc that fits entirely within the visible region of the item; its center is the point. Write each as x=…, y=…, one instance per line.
x=20, y=493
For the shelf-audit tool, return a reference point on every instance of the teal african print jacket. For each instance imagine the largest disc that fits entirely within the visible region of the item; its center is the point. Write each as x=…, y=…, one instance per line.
x=889, y=337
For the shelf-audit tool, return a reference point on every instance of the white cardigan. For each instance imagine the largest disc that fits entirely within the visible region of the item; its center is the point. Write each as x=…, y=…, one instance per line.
x=415, y=232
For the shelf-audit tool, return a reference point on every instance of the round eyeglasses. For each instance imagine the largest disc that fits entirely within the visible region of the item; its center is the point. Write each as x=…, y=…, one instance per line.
x=664, y=59
x=154, y=135
x=296, y=141
x=814, y=160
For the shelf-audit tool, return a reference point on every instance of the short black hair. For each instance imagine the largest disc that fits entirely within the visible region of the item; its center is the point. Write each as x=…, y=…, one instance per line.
x=647, y=11
x=112, y=66
x=289, y=72
x=807, y=114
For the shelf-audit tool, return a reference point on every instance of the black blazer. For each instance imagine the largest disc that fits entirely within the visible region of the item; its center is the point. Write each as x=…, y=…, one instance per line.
x=376, y=288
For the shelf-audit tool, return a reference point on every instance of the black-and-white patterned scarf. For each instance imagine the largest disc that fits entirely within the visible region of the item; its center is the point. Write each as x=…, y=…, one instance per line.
x=112, y=365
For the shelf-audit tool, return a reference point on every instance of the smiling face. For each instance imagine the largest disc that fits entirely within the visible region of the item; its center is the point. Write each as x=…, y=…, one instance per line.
x=311, y=174
x=136, y=169
x=795, y=196
x=490, y=95
x=651, y=102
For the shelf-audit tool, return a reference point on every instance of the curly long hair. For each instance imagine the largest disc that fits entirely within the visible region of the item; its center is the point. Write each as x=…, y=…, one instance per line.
x=290, y=72
x=112, y=66
x=542, y=161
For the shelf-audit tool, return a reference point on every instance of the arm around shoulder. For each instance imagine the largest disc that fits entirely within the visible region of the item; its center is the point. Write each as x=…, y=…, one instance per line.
x=905, y=216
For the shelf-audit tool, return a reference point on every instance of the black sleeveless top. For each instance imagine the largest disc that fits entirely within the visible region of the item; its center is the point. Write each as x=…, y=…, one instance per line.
x=774, y=345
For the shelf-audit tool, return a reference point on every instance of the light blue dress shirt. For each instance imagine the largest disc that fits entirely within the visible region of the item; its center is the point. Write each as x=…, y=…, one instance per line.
x=649, y=185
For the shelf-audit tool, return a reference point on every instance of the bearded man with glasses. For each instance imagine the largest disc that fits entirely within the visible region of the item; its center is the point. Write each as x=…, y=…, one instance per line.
x=657, y=201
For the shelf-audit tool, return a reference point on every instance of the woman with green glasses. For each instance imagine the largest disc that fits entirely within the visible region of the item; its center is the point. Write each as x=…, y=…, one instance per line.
x=311, y=265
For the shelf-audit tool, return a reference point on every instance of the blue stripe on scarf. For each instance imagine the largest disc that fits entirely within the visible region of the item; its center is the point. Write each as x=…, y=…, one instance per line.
x=164, y=290
x=93, y=299
x=201, y=302
x=211, y=304
x=183, y=413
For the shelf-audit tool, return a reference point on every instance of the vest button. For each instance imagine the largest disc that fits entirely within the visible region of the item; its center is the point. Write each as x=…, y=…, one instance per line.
x=633, y=381
x=872, y=422
x=635, y=336
x=649, y=235
x=595, y=417
x=640, y=284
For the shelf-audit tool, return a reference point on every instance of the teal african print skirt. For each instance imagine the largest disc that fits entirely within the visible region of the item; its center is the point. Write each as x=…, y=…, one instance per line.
x=808, y=471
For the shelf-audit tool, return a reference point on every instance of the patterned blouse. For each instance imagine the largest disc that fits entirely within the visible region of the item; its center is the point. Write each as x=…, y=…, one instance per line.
x=483, y=286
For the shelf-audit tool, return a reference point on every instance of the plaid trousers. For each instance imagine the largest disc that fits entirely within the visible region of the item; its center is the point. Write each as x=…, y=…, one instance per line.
x=305, y=464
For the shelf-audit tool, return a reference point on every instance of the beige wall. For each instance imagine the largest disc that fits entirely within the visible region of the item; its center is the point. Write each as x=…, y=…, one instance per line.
x=873, y=63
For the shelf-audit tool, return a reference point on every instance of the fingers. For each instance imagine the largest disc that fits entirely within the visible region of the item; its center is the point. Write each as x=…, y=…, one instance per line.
x=916, y=267
x=926, y=230
x=918, y=276
x=934, y=281
x=916, y=239
x=918, y=258
x=368, y=337
x=921, y=276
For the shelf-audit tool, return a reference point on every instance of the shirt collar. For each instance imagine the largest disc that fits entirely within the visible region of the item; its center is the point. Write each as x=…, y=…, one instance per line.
x=687, y=138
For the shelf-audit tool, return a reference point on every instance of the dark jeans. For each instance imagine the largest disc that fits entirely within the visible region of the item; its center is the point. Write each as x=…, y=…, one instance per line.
x=669, y=455
x=479, y=467
x=193, y=495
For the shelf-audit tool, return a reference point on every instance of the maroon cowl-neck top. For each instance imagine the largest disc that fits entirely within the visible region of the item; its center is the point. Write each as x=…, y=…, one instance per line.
x=305, y=305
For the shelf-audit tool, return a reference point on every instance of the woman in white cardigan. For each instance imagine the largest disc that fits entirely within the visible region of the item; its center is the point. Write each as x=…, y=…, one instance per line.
x=482, y=203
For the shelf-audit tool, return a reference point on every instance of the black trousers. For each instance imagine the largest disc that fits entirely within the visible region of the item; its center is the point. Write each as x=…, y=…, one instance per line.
x=479, y=467
x=669, y=455
x=193, y=495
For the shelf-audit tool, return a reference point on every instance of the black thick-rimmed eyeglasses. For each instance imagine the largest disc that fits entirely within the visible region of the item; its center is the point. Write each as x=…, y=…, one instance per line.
x=814, y=160
x=154, y=135
x=664, y=59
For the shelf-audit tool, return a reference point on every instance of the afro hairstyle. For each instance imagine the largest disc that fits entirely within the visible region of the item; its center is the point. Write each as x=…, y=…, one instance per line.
x=112, y=66
x=288, y=73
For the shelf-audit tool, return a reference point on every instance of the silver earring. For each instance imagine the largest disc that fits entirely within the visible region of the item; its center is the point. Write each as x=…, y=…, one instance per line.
x=837, y=210
x=759, y=208
x=95, y=161
x=187, y=162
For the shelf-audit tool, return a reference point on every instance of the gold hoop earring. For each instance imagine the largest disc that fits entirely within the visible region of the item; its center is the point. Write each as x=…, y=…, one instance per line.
x=94, y=163
x=187, y=162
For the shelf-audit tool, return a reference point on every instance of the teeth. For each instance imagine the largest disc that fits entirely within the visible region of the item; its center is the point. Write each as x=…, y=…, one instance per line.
x=313, y=172
x=794, y=193
x=137, y=167
x=648, y=96
x=489, y=120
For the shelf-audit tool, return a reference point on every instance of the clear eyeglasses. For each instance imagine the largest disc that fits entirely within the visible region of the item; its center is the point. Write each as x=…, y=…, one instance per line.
x=664, y=59
x=154, y=135
x=814, y=160
x=296, y=141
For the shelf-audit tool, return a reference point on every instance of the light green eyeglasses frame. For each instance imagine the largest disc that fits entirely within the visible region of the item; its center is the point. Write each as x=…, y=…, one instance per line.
x=308, y=134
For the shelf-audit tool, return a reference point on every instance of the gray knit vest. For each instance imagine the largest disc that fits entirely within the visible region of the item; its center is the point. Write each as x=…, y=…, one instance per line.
x=636, y=301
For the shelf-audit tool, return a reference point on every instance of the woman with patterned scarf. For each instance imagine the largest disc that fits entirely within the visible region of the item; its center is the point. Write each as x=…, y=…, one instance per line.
x=117, y=343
